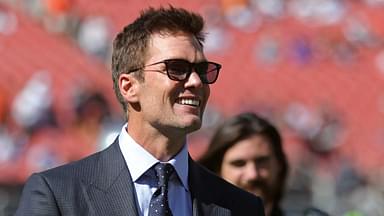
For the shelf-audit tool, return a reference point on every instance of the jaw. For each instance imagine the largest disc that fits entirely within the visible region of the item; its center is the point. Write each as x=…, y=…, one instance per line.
x=189, y=117
x=190, y=112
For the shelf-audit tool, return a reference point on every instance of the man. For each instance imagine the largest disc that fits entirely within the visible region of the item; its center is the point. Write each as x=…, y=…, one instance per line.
x=161, y=77
x=246, y=150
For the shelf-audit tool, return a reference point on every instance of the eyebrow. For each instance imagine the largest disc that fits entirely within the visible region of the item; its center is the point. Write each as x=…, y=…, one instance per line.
x=257, y=159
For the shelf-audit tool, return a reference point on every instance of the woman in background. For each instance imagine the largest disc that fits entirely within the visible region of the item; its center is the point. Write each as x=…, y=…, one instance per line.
x=246, y=150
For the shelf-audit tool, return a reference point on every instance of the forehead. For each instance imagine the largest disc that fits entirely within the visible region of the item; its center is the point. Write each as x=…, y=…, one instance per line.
x=167, y=45
x=252, y=147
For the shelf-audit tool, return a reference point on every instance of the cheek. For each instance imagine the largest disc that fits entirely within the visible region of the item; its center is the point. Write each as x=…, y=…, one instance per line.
x=159, y=98
x=265, y=173
x=270, y=176
x=231, y=173
x=172, y=90
x=207, y=93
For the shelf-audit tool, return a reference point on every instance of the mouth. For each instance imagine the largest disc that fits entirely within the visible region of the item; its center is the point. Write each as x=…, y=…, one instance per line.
x=195, y=102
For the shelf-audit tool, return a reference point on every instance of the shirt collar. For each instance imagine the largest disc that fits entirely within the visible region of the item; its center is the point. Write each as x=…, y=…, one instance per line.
x=140, y=160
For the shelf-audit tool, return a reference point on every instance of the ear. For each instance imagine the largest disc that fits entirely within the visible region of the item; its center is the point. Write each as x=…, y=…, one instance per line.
x=129, y=86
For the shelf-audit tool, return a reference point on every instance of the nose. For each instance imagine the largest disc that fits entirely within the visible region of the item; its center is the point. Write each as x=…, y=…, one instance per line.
x=194, y=80
x=251, y=172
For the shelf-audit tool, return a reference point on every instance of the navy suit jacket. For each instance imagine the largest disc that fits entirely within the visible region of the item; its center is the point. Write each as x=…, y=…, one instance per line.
x=102, y=185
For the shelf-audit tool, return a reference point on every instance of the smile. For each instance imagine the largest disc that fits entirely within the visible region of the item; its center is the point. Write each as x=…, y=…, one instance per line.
x=188, y=101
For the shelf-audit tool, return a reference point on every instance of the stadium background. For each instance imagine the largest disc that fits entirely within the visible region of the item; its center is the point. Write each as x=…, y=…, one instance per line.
x=315, y=68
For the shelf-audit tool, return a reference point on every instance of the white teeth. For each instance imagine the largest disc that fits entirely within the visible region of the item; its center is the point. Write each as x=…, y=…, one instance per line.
x=191, y=102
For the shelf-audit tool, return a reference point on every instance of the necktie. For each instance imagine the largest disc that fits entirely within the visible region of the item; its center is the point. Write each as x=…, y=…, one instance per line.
x=159, y=201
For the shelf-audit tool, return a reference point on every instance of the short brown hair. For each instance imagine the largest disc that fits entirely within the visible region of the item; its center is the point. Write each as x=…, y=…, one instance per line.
x=131, y=44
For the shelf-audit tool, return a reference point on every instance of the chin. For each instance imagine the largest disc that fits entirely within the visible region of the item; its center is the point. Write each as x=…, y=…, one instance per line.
x=257, y=192
x=193, y=125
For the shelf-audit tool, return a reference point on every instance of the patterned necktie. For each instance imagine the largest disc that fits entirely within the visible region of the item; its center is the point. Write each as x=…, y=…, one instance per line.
x=159, y=201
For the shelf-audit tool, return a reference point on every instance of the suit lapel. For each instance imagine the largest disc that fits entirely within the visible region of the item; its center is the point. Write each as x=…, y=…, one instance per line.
x=112, y=191
x=201, y=205
x=202, y=209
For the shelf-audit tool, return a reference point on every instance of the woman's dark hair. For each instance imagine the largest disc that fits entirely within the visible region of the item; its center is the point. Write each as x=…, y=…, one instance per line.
x=241, y=127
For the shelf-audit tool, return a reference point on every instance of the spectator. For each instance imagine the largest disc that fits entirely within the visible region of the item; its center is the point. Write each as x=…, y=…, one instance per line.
x=94, y=36
x=246, y=150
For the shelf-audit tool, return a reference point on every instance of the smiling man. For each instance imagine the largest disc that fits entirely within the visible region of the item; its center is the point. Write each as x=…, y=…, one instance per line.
x=161, y=77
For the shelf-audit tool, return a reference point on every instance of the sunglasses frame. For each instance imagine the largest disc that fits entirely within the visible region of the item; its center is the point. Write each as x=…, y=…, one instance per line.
x=191, y=67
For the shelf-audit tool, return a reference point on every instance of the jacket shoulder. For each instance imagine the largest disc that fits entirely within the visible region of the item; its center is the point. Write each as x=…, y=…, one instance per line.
x=87, y=168
x=73, y=169
x=210, y=188
x=48, y=192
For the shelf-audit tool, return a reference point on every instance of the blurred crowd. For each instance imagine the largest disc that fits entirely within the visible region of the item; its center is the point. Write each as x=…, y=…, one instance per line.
x=34, y=136
x=93, y=33
x=321, y=30
x=337, y=29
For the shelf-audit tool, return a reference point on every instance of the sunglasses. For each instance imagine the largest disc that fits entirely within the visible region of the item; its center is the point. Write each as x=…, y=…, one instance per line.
x=181, y=69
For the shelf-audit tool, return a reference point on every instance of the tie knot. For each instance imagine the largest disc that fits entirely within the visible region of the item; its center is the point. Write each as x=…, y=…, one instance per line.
x=163, y=172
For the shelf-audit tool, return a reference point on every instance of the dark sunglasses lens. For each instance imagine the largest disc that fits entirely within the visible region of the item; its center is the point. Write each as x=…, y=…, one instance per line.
x=178, y=69
x=207, y=71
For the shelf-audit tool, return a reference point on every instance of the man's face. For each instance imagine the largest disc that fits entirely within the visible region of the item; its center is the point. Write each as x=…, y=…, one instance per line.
x=251, y=165
x=167, y=104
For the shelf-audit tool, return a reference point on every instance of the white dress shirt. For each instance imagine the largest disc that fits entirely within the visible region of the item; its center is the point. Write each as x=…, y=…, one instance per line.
x=139, y=162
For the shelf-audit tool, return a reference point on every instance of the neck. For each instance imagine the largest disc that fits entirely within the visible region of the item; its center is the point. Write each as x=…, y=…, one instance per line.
x=268, y=209
x=271, y=209
x=160, y=145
